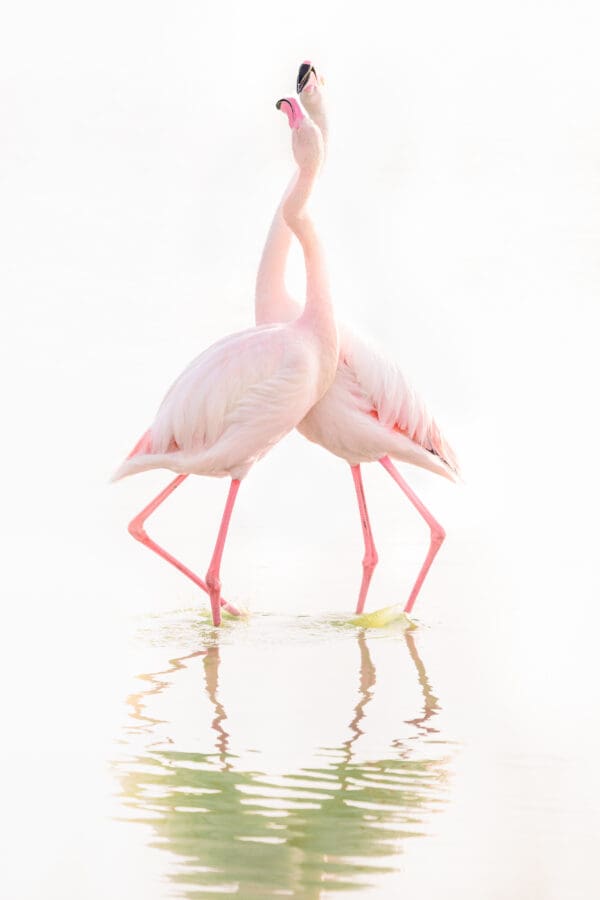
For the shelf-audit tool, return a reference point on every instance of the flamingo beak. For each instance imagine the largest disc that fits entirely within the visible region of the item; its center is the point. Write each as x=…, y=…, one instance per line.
x=290, y=113
x=292, y=110
x=304, y=73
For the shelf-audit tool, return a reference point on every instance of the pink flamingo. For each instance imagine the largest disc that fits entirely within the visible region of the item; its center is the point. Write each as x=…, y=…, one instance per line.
x=243, y=394
x=371, y=412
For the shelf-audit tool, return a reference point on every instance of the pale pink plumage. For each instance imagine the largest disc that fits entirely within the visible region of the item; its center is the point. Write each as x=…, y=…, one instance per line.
x=243, y=394
x=371, y=411
x=232, y=404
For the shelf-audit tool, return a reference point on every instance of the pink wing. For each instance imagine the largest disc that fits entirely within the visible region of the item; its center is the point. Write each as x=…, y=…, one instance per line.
x=229, y=406
x=382, y=391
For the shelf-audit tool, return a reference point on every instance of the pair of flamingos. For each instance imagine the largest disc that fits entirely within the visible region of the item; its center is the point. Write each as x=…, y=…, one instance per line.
x=297, y=368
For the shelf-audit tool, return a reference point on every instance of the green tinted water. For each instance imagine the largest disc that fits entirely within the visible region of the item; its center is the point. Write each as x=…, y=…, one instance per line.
x=269, y=825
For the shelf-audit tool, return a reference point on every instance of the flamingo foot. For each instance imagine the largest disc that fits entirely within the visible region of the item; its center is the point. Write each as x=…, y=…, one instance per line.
x=381, y=618
x=231, y=609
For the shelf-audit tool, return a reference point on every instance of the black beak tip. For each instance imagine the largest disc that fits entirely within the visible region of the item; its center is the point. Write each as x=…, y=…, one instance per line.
x=303, y=76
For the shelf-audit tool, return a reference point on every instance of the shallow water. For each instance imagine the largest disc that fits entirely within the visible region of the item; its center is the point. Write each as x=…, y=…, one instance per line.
x=229, y=816
x=300, y=755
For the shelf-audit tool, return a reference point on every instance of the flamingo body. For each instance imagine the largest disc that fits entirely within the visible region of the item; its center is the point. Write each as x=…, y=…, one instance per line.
x=234, y=402
x=372, y=410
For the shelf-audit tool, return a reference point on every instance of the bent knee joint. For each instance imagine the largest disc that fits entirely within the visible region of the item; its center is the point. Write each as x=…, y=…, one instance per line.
x=438, y=536
x=213, y=583
x=136, y=530
x=370, y=560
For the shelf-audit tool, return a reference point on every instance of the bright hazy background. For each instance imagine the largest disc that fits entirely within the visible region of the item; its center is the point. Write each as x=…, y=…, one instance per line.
x=141, y=158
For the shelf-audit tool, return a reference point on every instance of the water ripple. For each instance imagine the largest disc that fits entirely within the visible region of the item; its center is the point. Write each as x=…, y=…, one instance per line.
x=339, y=825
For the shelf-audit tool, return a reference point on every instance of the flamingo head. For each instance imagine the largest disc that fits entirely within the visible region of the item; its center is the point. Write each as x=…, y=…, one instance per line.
x=291, y=107
x=308, y=82
x=309, y=86
x=307, y=141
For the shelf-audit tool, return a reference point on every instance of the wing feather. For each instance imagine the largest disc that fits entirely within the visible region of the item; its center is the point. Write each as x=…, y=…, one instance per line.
x=383, y=391
x=231, y=404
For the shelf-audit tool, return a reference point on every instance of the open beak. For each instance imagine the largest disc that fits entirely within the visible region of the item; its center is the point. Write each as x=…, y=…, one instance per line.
x=304, y=73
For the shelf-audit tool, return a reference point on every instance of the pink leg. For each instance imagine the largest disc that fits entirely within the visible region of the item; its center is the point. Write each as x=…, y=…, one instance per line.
x=437, y=532
x=136, y=529
x=370, y=558
x=212, y=576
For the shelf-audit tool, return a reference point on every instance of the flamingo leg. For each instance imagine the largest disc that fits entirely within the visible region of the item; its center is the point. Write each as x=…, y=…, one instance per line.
x=136, y=529
x=212, y=576
x=437, y=532
x=370, y=558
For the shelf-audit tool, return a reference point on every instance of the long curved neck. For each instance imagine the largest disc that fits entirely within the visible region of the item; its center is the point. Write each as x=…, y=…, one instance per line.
x=318, y=309
x=272, y=300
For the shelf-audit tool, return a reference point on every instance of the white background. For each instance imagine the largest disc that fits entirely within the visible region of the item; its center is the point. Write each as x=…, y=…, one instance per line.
x=141, y=157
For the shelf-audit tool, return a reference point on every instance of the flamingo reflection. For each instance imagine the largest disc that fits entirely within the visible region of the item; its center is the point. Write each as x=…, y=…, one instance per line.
x=338, y=825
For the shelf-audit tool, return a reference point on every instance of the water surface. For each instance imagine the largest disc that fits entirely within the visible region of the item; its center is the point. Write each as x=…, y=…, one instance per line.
x=311, y=818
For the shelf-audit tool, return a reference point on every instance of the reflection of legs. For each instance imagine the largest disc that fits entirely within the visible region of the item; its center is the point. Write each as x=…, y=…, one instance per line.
x=370, y=558
x=136, y=528
x=366, y=685
x=437, y=532
x=212, y=662
x=431, y=706
x=212, y=576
